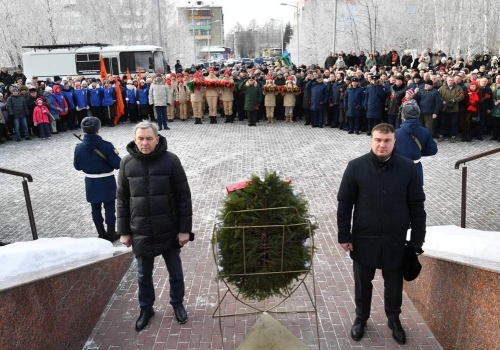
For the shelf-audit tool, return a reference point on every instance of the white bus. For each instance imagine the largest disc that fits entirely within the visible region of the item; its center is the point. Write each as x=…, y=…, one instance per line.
x=84, y=60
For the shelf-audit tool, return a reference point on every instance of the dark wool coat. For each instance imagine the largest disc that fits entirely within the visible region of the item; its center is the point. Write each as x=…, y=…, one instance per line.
x=318, y=95
x=374, y=101
x=353, y=101
x=306, y=94
x=388, y=199
x=153, y=200
x=395, y=99
x=429, y=101
x=103, y=189
x=337, y=91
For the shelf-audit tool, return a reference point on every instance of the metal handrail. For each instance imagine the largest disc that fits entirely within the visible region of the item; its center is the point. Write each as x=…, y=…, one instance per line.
x=463, y=208
x=26, y=178
x=477, y=156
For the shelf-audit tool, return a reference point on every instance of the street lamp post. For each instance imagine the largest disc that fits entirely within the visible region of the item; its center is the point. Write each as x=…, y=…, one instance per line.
x=194, y=34
x=281, y=32
x=334, y=27
x=298, y=38
x=209, y=37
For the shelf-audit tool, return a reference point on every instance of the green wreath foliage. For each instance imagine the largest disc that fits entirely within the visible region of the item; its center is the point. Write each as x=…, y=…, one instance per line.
x=275, y=255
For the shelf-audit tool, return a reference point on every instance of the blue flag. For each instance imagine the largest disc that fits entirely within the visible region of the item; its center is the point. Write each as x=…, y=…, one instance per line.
x=286, y=58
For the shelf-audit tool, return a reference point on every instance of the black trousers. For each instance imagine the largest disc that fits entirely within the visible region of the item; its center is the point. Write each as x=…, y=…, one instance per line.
x=363, y=287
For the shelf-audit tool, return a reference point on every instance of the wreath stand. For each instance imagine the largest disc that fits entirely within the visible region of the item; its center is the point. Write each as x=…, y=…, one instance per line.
x=288, y=292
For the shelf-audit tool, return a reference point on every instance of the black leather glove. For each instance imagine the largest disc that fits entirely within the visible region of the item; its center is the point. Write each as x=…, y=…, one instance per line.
x=417, y=246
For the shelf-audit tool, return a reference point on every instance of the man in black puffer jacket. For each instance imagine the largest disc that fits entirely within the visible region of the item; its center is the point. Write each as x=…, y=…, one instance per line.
x=154, y=215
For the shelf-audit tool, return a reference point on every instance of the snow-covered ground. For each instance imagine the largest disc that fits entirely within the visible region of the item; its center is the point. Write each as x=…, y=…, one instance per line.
x=23, y=258
x=466, y=242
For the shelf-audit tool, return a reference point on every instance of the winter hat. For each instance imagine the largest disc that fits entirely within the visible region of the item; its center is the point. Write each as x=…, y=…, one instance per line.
x=129, y=82
x=417, y=76
x=400, y=77
x=290, y=78
x=181, y=81
x=429, y=82
x=48, y=89
x=410, y=110
x=475, y=83
x=410, y=92
x=57, y=88
x=57, y=78
x=14, y=89
x=186, y=74
x=84, y=83
x=39, y=100
x=227, y=72
x=90, y=125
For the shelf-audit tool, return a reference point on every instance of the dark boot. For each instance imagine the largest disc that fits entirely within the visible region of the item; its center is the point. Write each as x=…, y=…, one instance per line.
x=468, y=136
x=111, y=234
x=197, y=120
x=214, y=119
x=228, y=119
x=398, y=333
x=101, y=231
x=144, y=317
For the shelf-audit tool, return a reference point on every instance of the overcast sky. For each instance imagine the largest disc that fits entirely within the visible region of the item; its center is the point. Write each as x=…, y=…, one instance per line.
x=244, y=11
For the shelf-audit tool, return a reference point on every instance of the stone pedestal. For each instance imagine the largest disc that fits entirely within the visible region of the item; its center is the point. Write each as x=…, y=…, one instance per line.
x=58, y=310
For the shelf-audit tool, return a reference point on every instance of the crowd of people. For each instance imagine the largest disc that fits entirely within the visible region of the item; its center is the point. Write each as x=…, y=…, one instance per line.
x=350, y=92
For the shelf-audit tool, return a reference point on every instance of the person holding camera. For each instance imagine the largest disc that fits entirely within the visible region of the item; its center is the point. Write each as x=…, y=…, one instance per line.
x=451, y=95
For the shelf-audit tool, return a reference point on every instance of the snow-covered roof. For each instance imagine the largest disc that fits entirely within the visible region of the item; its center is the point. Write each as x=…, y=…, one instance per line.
x=91, y=49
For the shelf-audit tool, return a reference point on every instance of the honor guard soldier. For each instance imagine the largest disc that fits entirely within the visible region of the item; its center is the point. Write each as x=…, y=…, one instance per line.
x=97, y=159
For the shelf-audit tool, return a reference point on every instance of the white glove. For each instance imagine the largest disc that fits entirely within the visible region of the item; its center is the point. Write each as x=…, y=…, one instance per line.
x=35, y=123
x=87, y=107
x=78, y=109
x=138, y=103
x=126, y=98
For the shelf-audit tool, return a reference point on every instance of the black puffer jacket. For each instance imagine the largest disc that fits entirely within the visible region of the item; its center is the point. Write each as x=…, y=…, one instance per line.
x=153, y=199
x=17, y=107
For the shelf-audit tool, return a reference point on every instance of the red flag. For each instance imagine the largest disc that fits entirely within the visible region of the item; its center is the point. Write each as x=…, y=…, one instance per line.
x=120, y=107
x=104, y=74
x=139, y=79
x=128, y=75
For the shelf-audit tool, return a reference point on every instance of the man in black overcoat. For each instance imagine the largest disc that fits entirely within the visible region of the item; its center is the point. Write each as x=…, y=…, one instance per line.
x=383, y=194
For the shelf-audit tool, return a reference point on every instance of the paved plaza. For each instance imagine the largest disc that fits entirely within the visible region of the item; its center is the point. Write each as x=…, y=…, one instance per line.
x=213, y=156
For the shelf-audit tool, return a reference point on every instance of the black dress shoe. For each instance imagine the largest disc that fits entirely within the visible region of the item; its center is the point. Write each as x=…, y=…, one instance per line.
x=357, y=132
x=167, y=128
x=351, y=132
x=358, y=329
x=180, y=314
x=398, y=333
x=144, y=317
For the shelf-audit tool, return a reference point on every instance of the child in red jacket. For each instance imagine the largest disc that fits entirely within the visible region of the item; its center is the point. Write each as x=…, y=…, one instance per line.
x=41, y=118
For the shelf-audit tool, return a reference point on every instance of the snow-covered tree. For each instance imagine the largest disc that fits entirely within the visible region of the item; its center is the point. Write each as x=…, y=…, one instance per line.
x=124, y=22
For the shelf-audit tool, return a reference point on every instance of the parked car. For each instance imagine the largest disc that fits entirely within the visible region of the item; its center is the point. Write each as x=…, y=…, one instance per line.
x=258, y=60
x=247, y=62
